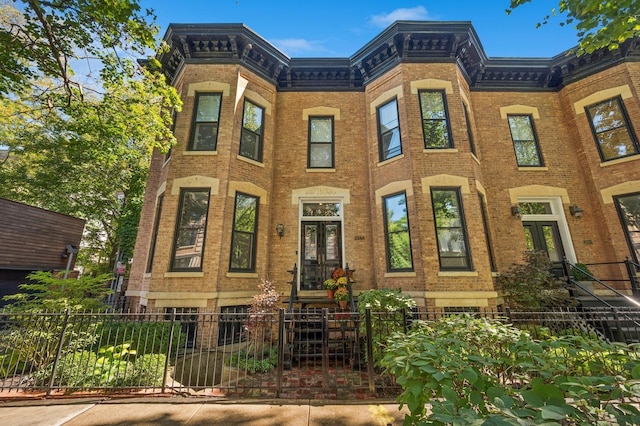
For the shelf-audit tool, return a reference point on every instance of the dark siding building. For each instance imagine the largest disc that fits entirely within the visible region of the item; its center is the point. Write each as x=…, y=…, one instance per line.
x=34, y=239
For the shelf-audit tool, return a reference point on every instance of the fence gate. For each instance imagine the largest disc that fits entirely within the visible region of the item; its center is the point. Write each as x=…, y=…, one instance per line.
x=322, y=354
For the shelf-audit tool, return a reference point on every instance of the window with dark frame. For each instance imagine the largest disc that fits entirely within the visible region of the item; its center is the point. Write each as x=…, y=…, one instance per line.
x=231, y=325
x=628, y=207
x=435, y=119
x=189, y=239
x=188, y=319
x=321, y=144
x=243, y=238
x=204, y=131
x=487, y=233
x=472, y=145
x=174, y=117
x=398, y=238
x=612, y=129
x=451, y=234
x=154, y=235
x=251, y=134
x=525, y=142
x=390, y=144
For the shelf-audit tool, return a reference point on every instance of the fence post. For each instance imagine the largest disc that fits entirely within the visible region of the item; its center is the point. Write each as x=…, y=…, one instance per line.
x=281, y=346
x=167, y=361
x=632, y=277
x=404, y=320
x=58, y=351
x=325, y=348
x=368, y=328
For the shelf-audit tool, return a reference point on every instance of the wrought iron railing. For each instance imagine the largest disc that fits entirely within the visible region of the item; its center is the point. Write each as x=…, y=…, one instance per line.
x=302, y=353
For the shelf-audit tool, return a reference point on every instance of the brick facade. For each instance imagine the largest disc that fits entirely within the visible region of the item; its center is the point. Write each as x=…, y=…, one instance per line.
x=396, y=65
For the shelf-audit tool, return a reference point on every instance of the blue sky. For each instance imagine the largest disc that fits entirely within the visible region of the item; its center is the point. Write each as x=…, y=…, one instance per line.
x=339, y=28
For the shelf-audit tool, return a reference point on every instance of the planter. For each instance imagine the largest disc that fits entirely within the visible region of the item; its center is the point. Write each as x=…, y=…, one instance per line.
x=330, y=293
x=342, y=303
x=587, y=286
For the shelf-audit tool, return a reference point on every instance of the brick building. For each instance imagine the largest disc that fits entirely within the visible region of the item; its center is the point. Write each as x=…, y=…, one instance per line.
x=418, y=161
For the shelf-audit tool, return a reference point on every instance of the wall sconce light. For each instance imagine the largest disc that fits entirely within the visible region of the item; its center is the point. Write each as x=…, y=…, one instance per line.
x=516, y=212
x=575, y=211
x=280, y=230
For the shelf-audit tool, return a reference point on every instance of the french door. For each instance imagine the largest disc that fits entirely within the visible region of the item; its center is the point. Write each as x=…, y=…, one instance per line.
x=321, y=252
x=545, y=236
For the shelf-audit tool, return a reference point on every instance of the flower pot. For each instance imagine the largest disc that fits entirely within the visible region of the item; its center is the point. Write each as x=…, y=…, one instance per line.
x=330, y=293
x=342, y=303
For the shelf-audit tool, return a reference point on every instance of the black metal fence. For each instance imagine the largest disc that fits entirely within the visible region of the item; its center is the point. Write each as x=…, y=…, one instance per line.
x=310, y=353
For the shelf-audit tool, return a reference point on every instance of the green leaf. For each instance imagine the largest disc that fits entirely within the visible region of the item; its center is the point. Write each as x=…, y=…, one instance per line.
x=449, y=394
x=553, y=413
x=635, y=372
x=469, y=375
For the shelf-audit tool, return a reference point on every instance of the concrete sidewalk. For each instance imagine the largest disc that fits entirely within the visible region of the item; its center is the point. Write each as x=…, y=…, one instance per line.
x=191, y=411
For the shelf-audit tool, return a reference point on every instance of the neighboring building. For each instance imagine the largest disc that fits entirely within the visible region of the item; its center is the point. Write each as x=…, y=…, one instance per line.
x=418, y=161
x=34, y=239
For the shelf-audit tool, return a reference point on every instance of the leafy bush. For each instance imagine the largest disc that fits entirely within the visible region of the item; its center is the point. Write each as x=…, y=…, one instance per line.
x=580, y=272
x=31, y=339
x=144, y=337
x=47, y=292
x=148, y=370
x=392, y=309
x=532, y=285
x=112, y=366
x=254, y=361
x=480, y=371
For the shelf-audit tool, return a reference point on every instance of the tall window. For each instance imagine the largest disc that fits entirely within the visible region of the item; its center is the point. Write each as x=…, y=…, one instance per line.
x=154, y=236
x=251, y=136
x=174, y=117
x=629, y=211
x=320, y=142
x=472, y=145
x=399, y=256
x=487, y=233
x=524, y=139
x=450, y=229
x=204, y=131
x=189, y=238
x=612, y=130
x=435, y=123
x=389, y=131
x=243, y=239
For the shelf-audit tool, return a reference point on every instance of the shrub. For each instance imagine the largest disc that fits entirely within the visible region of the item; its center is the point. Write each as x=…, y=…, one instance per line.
x=480, y=371
x=532, y=285
x=113, y=366
x=580, y=272
x=148, y=370
x=254, y=361
x=47, y=291
x=392, y=309
x=144, y=337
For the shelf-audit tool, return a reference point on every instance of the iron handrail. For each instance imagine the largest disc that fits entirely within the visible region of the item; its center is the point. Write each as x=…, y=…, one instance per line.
x=570, y=267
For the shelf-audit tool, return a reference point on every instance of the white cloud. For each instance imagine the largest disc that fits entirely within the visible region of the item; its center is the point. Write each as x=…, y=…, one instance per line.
x=418, y=13
x=297, y=46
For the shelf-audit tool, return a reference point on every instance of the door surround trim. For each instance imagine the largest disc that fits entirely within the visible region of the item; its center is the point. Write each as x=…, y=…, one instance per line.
x=557, y=215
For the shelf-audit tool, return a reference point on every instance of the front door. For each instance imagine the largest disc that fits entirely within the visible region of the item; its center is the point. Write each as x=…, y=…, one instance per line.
x=545, y=236
x=321, y=252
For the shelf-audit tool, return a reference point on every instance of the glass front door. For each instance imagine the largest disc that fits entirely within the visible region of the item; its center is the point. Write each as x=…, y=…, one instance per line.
x=545, y=236
x=321, y=252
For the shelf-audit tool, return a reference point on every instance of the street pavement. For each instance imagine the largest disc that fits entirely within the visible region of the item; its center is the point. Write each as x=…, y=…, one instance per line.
x=179, y=410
